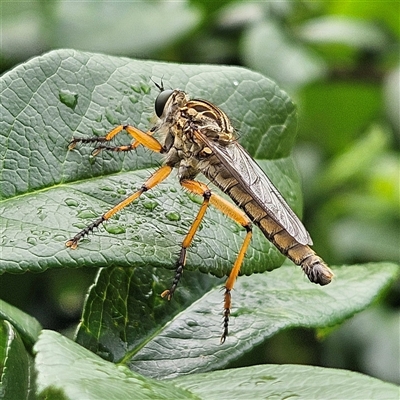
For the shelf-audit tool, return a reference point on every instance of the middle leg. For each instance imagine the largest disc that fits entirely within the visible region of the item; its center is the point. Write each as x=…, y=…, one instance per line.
x=232, y=212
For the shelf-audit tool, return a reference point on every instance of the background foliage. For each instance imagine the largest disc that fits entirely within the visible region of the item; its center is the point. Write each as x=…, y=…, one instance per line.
x=338, y=61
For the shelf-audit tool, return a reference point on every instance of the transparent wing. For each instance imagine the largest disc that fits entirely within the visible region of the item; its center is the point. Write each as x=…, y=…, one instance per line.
x=254, y=181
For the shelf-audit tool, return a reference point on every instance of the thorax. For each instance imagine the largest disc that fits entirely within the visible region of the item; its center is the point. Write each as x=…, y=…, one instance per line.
x=179, y=122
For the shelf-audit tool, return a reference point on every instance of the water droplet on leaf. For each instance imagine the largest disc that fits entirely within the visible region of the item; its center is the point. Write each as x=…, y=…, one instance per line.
x=106, y=188
x=173, y=216
x=133, y=99
x=150, y=205
x=87, y=214
x=31, y=240
x=145, y=87
x=70, y=99
x=71, y=202
x=191, y=322
x=135, y=88
x=115, y=229
x=111, y=118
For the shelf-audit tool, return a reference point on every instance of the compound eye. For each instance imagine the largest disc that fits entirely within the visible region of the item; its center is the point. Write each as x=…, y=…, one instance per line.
x=161, y=101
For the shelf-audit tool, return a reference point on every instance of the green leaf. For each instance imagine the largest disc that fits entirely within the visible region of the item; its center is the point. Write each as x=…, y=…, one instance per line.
x=284, y=59
x=142, y=28
x=355, y=238
x=124, y=309
x=16, y=372
x=165, y=340
x=27, y=326
x=354, y=163
x=139, y=27
x=392, y=97
x=357, y=104
x=49, y=193
x=85, y=375
x=352, y=32
x=362, y=337
x=287, y=381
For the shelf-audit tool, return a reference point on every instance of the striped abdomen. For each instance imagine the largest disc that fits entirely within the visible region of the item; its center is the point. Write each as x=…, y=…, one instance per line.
x=301, y=254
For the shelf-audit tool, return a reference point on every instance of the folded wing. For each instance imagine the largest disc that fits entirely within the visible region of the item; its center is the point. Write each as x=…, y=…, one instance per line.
x=254, y=181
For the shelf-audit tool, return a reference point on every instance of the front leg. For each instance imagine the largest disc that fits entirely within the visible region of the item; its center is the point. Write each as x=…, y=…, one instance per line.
x=140, y=137
x=154, y=180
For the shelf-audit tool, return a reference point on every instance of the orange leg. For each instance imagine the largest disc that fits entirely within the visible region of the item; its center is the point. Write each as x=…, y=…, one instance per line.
x=206, y=193
x=140, y=137
x=232, y=212
x=154, y=180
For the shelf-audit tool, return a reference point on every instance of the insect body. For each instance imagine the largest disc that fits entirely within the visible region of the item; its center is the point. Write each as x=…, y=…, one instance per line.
x=199, y=138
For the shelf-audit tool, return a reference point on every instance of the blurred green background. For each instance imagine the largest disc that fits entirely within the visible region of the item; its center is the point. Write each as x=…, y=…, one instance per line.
x=338, y=60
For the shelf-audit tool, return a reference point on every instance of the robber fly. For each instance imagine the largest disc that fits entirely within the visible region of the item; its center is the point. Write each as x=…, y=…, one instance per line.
x=199, y=138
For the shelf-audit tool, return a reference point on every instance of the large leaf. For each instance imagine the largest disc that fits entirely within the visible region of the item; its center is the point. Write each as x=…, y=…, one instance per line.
x=124, y=309
x=48, y=193
x=125, y=320
x=287, y=381
x=27, y=326
x=18, y=333
x=143, y=27
x=285, y=59
x=85, y=375
x=16, y=366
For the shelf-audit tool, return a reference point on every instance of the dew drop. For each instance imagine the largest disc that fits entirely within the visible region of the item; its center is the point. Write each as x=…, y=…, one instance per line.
x=145, y=88
x=124, y=184
x=41, y=214
x=111, y=118
x=235, y=83
x=59, y=238
x=133, y=99
x=87, y=214
x=70, y=99
x=71, y=202
x=195, y=198
x=151, y=195
x=115, y=229
x=44, y=235
x=191, y=322
x=173, y=216
x=106, y=188
x=135, y=88
x=150, y=205
x=31, y=240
